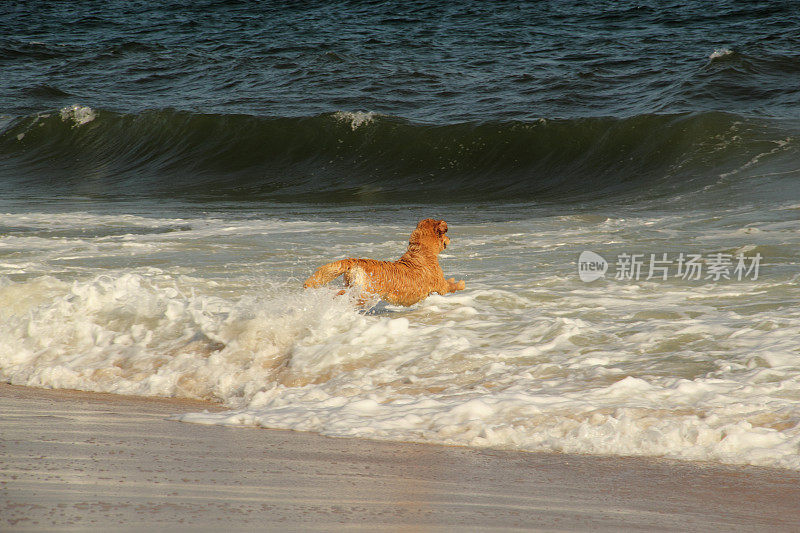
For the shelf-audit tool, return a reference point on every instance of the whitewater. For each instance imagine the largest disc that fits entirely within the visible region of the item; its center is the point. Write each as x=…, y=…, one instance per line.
x=210, y=306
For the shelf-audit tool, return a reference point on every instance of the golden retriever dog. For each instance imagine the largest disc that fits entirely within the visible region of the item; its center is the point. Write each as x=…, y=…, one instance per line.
x=403, y=282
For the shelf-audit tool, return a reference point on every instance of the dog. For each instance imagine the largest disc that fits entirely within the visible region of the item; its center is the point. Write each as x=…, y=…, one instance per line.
x=406, y=281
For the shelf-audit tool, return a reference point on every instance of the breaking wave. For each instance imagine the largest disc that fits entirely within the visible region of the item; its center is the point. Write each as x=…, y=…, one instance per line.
x=340, y=157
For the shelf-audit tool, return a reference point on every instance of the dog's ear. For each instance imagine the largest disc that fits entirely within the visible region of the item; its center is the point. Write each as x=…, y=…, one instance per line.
x=441, y=227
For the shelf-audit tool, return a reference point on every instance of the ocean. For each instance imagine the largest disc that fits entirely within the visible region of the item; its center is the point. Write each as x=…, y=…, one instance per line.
x=621, y=181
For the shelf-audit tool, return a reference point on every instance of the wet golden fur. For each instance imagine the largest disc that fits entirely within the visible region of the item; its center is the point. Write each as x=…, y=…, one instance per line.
x=403, y=282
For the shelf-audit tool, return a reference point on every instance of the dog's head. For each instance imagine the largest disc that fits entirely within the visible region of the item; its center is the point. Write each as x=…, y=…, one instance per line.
x=430, y=234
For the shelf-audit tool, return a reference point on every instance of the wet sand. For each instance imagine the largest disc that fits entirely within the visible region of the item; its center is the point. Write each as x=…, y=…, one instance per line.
x=84, y=461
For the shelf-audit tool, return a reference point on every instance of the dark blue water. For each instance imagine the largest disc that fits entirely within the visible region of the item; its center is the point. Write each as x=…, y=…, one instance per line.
x=542, y=101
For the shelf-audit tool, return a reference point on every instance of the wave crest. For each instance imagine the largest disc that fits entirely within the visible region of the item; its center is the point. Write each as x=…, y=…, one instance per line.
x=335, y=157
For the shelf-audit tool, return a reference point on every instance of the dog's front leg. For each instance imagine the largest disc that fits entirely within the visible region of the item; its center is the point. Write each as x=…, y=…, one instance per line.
x=453, y=285
x=447, y=286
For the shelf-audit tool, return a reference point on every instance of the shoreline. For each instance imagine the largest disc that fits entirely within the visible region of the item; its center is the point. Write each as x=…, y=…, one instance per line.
x=76, y=460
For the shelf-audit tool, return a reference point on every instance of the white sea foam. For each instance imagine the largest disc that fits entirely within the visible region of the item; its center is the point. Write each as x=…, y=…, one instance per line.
x=78, y=114
x=148, y=334
x=356, y=119
x=528, y=357
x=720, y=53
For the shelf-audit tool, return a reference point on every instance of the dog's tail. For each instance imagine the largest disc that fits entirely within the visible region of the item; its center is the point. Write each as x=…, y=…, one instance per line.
x=327, y=273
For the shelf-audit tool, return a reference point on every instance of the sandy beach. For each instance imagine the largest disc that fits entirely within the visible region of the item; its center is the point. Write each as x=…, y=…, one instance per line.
x=83, y=461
